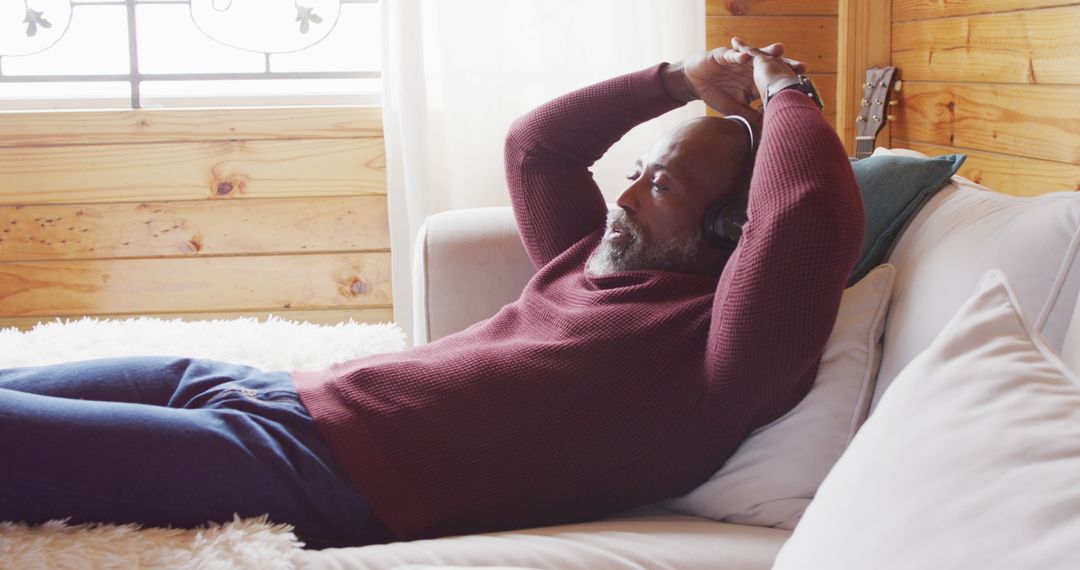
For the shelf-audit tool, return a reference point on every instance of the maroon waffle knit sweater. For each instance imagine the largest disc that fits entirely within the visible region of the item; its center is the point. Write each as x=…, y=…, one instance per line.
x=589, y=395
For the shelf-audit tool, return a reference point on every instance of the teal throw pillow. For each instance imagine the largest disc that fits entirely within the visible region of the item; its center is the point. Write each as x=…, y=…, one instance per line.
x=893, y=188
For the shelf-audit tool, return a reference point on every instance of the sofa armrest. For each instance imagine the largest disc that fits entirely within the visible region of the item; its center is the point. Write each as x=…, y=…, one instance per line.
x=467, y=265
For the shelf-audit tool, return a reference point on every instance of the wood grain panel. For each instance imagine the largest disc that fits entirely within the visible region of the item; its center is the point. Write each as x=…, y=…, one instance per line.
x=1035, y=46
x=924, y=9
x=192, y=171
x=1004, y=173
x=206, y=227
x=319, y=317
x=770, y=8
x=194, y=284
x=1034, y=121
x=146, y=126
x=811, y=39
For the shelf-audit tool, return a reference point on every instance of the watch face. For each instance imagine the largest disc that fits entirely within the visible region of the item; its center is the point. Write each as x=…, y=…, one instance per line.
x=806, y=85
x=799, y=83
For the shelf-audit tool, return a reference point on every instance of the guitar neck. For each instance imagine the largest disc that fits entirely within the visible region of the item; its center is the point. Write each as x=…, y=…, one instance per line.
x=864, y=147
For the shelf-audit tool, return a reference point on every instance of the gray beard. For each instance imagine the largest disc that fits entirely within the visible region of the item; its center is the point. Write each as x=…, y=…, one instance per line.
x=640, y=251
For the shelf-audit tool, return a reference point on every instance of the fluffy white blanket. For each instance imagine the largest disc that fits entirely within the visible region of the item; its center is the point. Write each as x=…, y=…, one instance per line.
x=271, y=345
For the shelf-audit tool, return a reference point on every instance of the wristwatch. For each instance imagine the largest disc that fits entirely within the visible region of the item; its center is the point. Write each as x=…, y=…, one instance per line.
x=798, y=83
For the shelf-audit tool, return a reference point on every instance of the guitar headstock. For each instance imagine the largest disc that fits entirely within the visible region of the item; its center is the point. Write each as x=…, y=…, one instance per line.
x=877, y=90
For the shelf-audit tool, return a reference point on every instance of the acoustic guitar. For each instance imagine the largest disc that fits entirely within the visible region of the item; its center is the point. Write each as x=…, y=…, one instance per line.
x=879, y=87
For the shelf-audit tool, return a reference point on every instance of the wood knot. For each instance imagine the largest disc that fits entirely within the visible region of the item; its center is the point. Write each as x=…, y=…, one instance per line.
x=358, y=287
x=736, y=7
x=228, y=188
x=194, y=244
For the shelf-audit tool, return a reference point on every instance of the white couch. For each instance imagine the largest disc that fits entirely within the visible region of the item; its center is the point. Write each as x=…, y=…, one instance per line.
x=470, y=263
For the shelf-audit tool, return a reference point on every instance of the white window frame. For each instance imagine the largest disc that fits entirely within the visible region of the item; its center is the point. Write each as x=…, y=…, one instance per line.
x=134, y=78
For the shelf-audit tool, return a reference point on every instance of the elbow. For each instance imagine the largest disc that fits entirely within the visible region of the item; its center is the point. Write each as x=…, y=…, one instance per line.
x=521, y=139
x=831, y=216
x=838, y=206
x=842, y=225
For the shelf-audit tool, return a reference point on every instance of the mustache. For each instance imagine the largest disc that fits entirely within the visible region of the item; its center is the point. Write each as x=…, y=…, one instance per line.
x=618, y=220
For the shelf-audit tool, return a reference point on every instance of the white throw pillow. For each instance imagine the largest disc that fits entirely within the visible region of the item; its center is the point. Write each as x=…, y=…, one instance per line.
x=774, y=473
x=971, y=460
x=961, y=233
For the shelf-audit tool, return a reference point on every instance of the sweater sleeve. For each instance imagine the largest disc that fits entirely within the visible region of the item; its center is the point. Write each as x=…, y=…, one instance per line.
x=549, y=151
x=778, y=296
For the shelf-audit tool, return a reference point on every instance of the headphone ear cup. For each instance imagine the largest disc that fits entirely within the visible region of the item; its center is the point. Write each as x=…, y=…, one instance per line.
x=724, y=221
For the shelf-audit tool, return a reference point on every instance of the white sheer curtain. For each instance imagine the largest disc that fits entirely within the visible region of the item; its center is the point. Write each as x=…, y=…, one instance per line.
x=456, y=73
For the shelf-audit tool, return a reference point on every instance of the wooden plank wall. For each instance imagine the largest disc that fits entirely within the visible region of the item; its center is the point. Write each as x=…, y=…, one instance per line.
x=807, y=28
x=998, y=80
x=195, y=214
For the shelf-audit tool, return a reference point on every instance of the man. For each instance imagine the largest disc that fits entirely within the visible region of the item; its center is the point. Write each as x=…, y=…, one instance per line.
x=633, y=364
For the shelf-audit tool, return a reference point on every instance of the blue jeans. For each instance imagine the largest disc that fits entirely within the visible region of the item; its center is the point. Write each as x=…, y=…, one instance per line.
x=171, y=442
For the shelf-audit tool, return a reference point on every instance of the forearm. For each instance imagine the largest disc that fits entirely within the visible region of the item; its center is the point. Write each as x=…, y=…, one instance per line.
x=800, y=156
x=549, y=152
x=576, y=129
x=778, y=296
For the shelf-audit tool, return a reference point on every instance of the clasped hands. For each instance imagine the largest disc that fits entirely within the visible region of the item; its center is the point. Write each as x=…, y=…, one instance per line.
x=729, y=79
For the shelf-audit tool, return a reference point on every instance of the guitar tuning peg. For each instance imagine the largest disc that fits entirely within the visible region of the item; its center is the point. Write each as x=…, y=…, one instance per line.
x=890, y=117
x=892, y=103
x=859, y=119
x=898, y=85
x=869, y=85
x=865, y=102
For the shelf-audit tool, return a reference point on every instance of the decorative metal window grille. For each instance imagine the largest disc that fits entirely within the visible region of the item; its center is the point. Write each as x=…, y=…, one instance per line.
x=188, y=53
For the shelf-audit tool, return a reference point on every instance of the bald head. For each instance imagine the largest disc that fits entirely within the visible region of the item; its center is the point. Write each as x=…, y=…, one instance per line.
x=660, y=220
x=711, y=153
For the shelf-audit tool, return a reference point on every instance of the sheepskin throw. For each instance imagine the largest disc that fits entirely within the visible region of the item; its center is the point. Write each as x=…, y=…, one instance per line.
x=244, y=543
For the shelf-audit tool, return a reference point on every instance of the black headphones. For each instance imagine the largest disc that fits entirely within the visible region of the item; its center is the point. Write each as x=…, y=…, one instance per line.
x=724, y=221
x=725, y=218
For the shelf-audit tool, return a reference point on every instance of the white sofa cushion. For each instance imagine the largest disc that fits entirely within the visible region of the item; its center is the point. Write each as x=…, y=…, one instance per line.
x=964, y=231
x=971, y=460
x=774, y=473
x=647, y=538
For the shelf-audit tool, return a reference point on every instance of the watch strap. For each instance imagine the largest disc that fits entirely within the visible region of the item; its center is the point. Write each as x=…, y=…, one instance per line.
x=786, y=83
x=800, y=83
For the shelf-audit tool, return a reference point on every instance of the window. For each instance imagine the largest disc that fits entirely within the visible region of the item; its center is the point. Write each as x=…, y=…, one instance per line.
x=117, y=54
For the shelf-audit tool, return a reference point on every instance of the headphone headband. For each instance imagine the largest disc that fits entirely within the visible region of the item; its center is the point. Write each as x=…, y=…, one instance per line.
x=745, y=123
x=726, y=217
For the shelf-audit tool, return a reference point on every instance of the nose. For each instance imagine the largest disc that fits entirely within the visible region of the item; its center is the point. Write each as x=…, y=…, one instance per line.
x=629, y=199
